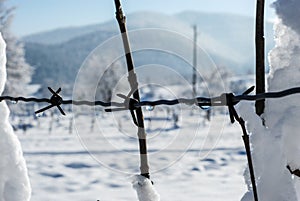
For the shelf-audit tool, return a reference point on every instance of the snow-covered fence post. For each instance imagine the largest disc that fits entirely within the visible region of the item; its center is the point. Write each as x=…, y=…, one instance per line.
x=14, y=181
x=260, y=55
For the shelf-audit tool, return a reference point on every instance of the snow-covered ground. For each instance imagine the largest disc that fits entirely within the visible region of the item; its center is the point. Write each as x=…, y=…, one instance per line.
x=197, y=161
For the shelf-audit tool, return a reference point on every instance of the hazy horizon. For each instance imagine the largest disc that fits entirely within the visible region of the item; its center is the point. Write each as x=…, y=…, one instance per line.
x=35, y=16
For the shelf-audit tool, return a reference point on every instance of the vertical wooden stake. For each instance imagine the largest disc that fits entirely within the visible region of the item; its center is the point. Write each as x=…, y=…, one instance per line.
x=249, y=158
x=260, y=56
x=194, y=82
x=144, y=167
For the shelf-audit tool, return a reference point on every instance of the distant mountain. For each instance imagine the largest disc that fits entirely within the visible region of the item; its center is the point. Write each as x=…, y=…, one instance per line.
x=134, y=21
x=228, y=39
x=61, y=35
x=60, y=63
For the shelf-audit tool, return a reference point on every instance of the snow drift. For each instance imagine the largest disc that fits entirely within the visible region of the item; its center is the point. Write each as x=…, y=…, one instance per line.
x=277, y=145
x=14, y=181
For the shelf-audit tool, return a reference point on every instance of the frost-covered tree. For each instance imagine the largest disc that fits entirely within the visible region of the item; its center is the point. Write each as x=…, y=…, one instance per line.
x=217, y=81
x=18, y=71
x=99, y=78
x=214, y=83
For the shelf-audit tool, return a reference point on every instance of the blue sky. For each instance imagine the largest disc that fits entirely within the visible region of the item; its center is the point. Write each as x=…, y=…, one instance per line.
x=33, y=16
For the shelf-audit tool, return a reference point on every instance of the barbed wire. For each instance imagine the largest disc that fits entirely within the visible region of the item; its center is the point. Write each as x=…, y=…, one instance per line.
x=132, y=104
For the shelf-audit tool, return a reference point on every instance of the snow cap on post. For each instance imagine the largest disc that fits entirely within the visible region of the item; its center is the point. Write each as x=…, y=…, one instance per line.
x=144, y=189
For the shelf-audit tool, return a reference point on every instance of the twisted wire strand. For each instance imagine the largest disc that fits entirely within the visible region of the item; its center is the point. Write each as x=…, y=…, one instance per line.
x=199, y=101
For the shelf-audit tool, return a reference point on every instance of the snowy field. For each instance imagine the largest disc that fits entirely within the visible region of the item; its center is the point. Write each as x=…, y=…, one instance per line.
x=196, y=161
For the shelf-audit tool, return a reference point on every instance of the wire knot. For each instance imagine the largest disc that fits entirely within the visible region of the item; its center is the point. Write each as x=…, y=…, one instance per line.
x=227, y=99
x=128, y=104
x=55, y=100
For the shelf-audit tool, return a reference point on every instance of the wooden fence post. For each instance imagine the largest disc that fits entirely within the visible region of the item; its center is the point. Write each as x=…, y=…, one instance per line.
x=260, y=56
x=144, y=166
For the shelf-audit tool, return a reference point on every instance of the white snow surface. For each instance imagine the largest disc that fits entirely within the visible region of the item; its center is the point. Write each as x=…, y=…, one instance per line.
x=60, y=167
x=14, y=181
x=144, y=189
x=277, y=145
x=284, y=114
x=274, y=182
